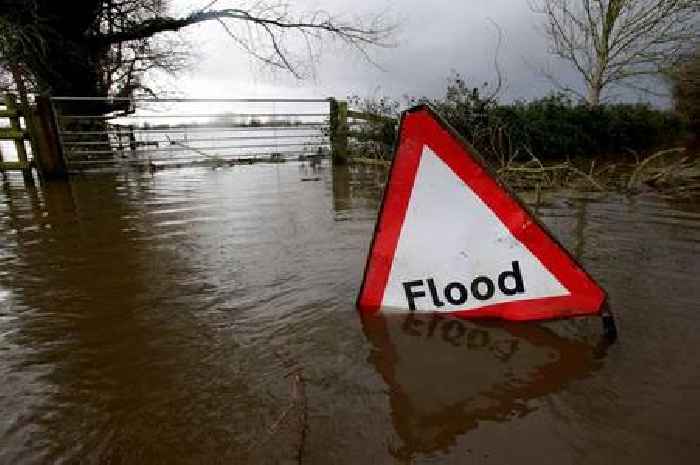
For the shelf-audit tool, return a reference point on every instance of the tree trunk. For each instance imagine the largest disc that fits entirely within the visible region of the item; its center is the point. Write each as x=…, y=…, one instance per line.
x=593, y=98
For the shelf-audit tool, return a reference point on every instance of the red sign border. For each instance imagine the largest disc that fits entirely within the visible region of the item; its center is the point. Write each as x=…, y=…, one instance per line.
x=421, y=126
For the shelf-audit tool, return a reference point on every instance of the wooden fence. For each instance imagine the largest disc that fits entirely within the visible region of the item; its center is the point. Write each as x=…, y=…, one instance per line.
x=17, y=134
x=360, y=137
x=39, y=130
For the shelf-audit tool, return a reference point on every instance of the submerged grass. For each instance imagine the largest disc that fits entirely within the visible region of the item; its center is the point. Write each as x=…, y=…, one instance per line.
x=670, y=171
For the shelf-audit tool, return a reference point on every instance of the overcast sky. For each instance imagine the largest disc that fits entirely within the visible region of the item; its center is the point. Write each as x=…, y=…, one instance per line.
x=434, y=38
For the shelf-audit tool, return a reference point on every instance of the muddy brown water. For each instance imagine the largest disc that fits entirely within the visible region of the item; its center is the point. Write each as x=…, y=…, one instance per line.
x=207, y=316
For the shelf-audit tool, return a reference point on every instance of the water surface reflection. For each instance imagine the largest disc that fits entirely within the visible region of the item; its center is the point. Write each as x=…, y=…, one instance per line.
x=445, y=376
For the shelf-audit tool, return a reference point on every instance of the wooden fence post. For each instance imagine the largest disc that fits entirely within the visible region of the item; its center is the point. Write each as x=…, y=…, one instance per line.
x=132, y=138
x=11, y=105
x=339, y=131
x=2, y=168
x=49, y=152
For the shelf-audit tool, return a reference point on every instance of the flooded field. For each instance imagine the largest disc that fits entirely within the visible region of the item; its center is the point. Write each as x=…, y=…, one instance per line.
x=207, y=316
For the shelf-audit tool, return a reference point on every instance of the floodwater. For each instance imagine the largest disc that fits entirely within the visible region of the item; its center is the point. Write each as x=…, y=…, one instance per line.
x=207, y=316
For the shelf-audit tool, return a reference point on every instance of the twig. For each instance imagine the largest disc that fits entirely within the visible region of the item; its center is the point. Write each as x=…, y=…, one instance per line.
x=588, y=177
x=537, y=160
x=663, y=173
x=526, y=169
x=202, y=153
x=499, y=73
x=633, y=178
x=298, y=399
x=635, y=153
x=304, y=416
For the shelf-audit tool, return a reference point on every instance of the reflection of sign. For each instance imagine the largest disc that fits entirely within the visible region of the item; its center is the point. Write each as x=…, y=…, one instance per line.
x=451, y=238
x=445, y=376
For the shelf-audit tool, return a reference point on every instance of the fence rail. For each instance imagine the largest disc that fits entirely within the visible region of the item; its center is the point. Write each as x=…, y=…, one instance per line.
x=179, y=161
x=192, y=115
x=189, y=100
x=296, y=127
x=208, y=139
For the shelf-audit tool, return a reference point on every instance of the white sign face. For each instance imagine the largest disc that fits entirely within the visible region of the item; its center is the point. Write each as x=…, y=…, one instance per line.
x=454, y=253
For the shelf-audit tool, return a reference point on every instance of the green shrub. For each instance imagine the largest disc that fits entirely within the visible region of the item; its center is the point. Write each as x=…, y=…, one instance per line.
x=554, y=127
x=551, y=128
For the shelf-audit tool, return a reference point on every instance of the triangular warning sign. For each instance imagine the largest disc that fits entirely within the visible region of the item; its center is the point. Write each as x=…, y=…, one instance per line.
x=451, y=238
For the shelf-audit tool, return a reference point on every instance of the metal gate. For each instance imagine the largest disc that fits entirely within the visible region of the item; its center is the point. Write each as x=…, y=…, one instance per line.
x=99, y=133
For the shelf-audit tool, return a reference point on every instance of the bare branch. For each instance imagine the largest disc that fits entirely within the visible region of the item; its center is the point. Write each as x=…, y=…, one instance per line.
x=496, y=64
x=347, y=32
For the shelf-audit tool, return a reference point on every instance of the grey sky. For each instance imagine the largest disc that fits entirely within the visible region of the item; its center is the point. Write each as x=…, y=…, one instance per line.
x=435, y=37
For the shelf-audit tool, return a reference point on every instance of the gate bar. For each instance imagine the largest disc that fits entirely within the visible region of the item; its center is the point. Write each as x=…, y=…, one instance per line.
x=197, y=100
x=193, y=129
x=194, y=115
x=73, y=153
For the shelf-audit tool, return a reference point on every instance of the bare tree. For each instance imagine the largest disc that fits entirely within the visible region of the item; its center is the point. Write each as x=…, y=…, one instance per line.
x=618, y=41
x=686, y=89
x=103, y=47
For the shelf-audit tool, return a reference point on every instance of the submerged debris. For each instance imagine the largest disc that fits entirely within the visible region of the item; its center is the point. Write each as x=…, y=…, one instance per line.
x=671, y=171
